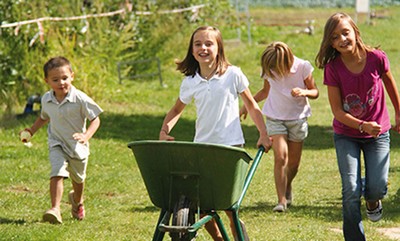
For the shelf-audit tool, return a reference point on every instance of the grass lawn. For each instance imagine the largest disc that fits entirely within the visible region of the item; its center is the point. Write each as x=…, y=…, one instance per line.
x=117, y=203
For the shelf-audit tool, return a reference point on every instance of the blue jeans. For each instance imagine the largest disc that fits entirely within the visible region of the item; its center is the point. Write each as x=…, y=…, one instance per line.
x=376, y=163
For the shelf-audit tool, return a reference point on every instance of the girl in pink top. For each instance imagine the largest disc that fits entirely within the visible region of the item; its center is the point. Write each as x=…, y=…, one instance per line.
x=355, y=74
x=288, y=83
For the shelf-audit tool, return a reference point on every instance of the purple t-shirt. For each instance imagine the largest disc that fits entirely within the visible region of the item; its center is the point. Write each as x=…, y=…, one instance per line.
x=363, y=95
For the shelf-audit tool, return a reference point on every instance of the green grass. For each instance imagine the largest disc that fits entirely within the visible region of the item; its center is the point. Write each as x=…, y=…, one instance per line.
x=117, y=204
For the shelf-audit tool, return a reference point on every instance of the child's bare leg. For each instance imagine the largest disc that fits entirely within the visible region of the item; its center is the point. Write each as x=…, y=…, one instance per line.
x=280, y=147
x=56, y=191
x=295, y=150
x=78, y=191
x=213, y=230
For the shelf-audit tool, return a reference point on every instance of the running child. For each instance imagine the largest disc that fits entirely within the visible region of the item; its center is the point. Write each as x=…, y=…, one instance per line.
x=355, y=75
x=288, y=84
x=66, y=110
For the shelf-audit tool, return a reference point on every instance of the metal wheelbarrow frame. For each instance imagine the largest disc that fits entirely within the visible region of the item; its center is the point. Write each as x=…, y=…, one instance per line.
x=183, y=178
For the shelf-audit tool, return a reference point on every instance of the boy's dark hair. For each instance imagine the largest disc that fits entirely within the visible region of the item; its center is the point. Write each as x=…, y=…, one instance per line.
x=55, y=62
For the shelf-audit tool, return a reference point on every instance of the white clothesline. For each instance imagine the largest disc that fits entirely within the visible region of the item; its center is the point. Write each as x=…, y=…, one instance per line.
x=120, y=11
x=128, y=8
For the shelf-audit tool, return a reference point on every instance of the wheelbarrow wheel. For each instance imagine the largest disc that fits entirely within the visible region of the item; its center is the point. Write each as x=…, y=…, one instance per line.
x=183, y=216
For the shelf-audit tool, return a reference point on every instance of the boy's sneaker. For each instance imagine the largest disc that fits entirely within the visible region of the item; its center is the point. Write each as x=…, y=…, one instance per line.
x=376, y=214
x=279, y=208
x=52, y=216
x=77, y=210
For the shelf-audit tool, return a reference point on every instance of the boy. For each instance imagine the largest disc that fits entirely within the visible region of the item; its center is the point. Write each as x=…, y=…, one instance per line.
x=66, y=109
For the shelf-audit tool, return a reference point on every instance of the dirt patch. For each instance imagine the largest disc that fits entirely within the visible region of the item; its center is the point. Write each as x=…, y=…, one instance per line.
x=393, y=233
x=336, y=230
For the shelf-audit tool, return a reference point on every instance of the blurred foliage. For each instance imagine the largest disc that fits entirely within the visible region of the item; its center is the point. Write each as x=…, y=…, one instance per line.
x=318, y=3
x=93, y=45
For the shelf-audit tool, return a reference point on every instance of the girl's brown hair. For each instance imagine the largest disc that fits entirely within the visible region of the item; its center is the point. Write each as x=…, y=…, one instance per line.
x=276, y=60
x=327, y=52
x=189, y=65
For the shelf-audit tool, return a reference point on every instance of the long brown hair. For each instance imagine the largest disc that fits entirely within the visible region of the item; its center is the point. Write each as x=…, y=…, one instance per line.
x=189, y=65
x=326, y=52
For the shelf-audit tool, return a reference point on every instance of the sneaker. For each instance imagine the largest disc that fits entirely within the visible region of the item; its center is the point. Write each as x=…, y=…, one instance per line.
x=376, y=214
x=52, y=216
x=77, y=210
x=279, y=208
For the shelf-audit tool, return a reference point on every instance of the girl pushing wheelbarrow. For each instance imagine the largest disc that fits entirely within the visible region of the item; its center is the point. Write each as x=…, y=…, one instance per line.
x=215, y=86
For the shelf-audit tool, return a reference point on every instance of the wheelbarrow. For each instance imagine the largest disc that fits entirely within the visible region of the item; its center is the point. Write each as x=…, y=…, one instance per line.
x=188, y=180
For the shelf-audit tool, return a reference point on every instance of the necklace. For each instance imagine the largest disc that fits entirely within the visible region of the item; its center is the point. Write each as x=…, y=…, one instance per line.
x=211, y=74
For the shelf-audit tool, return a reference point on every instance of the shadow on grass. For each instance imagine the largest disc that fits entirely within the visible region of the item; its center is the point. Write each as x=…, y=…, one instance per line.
x=329, y=210
x=11, y=221
x=128, y=128
x=146, y=209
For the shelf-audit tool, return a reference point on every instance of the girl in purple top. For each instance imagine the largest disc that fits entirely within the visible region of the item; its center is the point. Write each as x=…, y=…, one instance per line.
x=355, y=74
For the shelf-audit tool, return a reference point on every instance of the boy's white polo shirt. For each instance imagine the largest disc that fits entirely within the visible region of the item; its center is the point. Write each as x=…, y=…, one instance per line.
x=217, y=106
x=67, y=118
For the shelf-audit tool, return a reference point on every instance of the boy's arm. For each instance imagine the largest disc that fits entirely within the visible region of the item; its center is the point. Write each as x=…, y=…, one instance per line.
x=37, y=125
x=26, y=134
x=391, y=88
x=85, y=137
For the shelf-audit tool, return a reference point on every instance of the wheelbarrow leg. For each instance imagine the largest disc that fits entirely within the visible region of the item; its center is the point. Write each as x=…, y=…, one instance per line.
x=159, y=235
x=238, y=226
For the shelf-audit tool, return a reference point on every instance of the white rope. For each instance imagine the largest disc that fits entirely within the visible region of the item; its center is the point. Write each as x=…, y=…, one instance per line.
x=120, y=11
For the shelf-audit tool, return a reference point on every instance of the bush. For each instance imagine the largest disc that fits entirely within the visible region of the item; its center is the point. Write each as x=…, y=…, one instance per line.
x=95, y=45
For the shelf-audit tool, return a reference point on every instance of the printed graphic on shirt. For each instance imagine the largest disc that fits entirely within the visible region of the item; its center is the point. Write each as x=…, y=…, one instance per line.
x=352, y=103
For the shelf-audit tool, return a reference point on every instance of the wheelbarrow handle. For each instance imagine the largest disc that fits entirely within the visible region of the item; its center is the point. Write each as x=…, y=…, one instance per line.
x=250, y=174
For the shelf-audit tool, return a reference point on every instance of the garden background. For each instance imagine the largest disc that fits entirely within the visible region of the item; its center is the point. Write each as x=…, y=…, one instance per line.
x=118, y=207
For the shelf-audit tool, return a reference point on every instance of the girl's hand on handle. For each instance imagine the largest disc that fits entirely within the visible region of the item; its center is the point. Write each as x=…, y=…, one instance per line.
x=266, y=142
x=165, y=137
x=243, y=112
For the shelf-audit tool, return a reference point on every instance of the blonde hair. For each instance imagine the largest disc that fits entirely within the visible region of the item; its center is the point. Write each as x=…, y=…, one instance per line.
x=189, y=65
x=276, y=60
x=326, y=52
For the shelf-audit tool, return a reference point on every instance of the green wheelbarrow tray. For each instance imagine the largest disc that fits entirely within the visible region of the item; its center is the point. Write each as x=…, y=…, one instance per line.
x=210, y=175
x=213, y=177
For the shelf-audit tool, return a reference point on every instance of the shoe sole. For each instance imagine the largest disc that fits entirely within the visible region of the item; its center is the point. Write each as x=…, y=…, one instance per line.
x=51, y=218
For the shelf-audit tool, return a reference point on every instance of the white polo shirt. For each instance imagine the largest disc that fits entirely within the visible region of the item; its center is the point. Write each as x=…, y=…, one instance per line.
x=67, y=118
x=280, y=103
x=217, y=106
